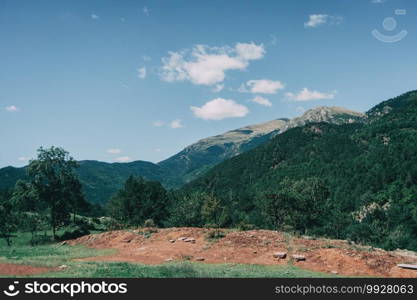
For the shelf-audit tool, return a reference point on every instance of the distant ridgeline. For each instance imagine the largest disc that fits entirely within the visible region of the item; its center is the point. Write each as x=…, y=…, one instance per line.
x=101, y=180
x=368, y=168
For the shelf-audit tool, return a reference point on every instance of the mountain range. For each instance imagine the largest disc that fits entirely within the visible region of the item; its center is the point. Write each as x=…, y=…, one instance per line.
x=101, y=180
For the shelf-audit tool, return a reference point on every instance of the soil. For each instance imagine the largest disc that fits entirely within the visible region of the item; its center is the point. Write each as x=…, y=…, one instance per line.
x=156, y=246
x=20, y=270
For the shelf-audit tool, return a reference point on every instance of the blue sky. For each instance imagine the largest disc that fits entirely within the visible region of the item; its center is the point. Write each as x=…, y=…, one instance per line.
x=140, y=80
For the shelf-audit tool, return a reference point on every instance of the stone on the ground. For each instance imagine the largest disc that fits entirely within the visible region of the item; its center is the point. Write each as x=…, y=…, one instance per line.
x=188, y=240
x=172, y=241
x=254, y=251
x=335, y=272
x=298, y=257
x=280, y=254
x=63, y=267
x=408, y=266
x=200, y=259
x=168, y=259
x=181, y=238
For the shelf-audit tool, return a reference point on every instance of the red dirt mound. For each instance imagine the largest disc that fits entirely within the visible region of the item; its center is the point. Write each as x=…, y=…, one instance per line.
x=20, y=270
x=155, y=246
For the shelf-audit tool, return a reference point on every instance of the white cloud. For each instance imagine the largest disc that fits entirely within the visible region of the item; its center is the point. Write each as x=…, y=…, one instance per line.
x=262, y=86
x=23, y=158
x=123, y=159
x=95, y=17
x=316, y=20
x=176, y=124
x=262, y=101
x=12, y=108
x=145, y=10
x=142, y=73
x=114, y=151
x=158, y=123
x=250, y=51
x=219, y=108
x=306, y=95
x=205, y=65
x=321, y=19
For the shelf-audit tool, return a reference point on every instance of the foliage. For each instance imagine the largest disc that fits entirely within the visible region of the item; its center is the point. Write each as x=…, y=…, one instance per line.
x=138, y=201
x=319, y=177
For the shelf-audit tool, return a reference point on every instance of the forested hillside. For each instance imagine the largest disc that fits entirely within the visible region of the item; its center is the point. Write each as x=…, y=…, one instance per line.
x=356, y=181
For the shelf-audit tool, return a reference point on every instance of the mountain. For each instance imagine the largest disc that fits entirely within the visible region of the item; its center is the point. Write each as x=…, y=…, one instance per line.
x=197, y=158
x=368, y=168
x=101, y=180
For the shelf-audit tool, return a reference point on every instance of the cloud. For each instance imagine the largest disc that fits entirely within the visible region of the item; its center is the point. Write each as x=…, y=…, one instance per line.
x=142, y=73
x=158, y=123
x=123, y=159
x=378, y=1
x=145, y=10
x=262, y=101
x=95, y=17
x=176, y=124
x=306, y=95
x=114, y=151
x=203, y=65
x=262, y=86
x=23, y=158
x=219, y=108
x=321, y=19
x=12, y=108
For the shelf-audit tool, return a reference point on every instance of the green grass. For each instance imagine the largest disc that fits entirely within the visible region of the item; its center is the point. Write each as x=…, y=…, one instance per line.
x=54, y=255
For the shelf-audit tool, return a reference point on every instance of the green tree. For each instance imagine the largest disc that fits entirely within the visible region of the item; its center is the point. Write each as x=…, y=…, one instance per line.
x=8, y=217
x=52, y=179
x=211, y=210
x=138, y=201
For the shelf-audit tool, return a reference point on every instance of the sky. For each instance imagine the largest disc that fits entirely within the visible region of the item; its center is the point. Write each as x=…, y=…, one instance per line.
x=119, y=81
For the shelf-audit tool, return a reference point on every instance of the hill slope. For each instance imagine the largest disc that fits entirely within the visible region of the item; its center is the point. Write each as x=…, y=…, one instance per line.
x=100, y=180
x=369, y=169
x=197, y=158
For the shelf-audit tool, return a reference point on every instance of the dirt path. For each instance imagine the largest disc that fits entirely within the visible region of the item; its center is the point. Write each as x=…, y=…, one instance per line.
x=20, y=270
x=156, y=246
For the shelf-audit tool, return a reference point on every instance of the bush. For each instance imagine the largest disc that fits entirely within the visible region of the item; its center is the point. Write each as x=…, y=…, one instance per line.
x=149, y=223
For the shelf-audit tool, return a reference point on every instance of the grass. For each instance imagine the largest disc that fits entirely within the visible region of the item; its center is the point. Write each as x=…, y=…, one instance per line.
x=54, y=255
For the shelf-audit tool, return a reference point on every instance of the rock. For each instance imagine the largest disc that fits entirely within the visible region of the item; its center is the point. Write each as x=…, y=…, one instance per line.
x=181, y=238
x=298, y=257
x=127, y=240
x=334, y=272
x=280, y=255
x=168, y=259
x=62, y=267
x=408, y=266
x=188, y=240
x=64, y=243
x=200, y=259
x=172, y=241
x=254, y=252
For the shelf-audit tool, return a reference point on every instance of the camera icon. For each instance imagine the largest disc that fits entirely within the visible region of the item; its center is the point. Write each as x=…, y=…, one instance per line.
x=390, y=24
x=11, y=290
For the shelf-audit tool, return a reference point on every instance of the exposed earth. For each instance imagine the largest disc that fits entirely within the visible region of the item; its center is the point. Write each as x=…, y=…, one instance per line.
x=20, y=270
x=338, y=257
